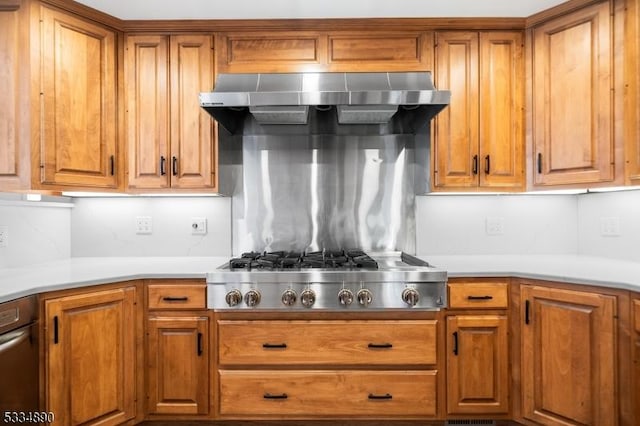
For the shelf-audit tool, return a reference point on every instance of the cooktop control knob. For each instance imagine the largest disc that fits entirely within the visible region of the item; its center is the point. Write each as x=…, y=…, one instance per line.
x=252, y=298
x=233, y=297
x=308, y=298
x=410, y=296
x=289, y=297
x=345, y=297
x=364, y=297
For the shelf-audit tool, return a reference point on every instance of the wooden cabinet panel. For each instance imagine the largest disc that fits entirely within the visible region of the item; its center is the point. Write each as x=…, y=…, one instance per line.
x=176, y=296
x=323, y=393
x=636, y=314
x=90, y=357
x=327, y=342
x=572, y=98
x=178, y=369
x=456, y=127
x=14, y=143
x=501, y=132
x=192, y=129
x=473, y=295
x=632, y=95
x=79, y=102
x=373, y=52
x=269, y=52
x=147, y=60
x=479, y=137
x=569, y=357
x=171, y=139
x=477, y=364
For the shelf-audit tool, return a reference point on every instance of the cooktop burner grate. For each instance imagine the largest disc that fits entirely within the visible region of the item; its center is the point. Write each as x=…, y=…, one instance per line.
x=326, y=259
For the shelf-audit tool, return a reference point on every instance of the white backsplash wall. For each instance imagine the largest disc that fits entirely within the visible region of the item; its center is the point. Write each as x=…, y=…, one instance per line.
x=622, y=208
x=531, y=224
x=107, y=226
x=38, y=232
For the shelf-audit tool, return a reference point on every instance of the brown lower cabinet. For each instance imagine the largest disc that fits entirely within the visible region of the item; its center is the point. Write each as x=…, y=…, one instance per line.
x=90, y=342
x=327, y=393
x=538, y=352
x=569, y=352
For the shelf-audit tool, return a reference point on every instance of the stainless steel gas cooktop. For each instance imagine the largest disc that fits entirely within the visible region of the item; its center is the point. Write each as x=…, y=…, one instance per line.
x=335, y=280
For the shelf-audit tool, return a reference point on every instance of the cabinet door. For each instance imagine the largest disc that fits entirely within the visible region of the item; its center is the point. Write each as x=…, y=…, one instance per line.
x=455, y=148
x=477, y=364
x=178, y=370
x=90, y=357
x=146, y=74
x=501, y=148
x=632, y=99
x=78, y=134
x=192, y=129
x=568, y=357
x=14, y=132
x=572, y=97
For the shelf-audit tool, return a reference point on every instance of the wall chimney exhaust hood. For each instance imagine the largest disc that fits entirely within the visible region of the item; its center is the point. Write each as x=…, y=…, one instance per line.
x=393, y=102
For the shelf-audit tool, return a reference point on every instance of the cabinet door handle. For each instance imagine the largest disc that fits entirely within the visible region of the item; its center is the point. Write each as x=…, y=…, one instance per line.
x=377, y=397
x=163, y=170
x=474, y=165
x=275, y=396
x=175, y=299
x=380, y=345
x=112, y=165
x=526, y=312
x=455, y=343
x=199, y=344
x=479, y=297
x=55, y=330
x=487, y=165
x=274, y=345
x=174, y=166
x=539, y=162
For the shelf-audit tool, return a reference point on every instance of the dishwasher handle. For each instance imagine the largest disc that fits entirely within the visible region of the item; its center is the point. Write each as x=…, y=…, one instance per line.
x=14, y=338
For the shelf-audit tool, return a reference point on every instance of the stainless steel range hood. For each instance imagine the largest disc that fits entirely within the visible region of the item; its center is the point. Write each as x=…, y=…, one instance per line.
x=390, y=103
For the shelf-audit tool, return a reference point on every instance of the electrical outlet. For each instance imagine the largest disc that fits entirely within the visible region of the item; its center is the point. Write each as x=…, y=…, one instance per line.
x=494, y=225
x=610, y=226
x=4, y=236
x=144, y=225
x=198, y=225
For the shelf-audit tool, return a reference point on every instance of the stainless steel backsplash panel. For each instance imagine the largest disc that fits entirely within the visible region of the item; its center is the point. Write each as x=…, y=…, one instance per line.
x=315, y=191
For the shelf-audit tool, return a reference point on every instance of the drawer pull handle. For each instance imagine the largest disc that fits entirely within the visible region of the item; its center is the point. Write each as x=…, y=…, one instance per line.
x=275, y=396
x=479, y=297
x=274, y=345
x=55, y=330
x=199, y=344
x=380, y=345
x=175, y=299
x=527, y=314
x=378, y=397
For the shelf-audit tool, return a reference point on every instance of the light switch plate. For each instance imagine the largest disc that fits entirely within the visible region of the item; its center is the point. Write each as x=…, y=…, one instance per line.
x=610, y=226
x=494, y=225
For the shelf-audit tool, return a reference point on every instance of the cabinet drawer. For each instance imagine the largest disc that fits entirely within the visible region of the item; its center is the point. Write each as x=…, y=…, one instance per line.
x=327, y=342
x=328, y=393
x=176, y=296
x=636, y=314
x=478, y=295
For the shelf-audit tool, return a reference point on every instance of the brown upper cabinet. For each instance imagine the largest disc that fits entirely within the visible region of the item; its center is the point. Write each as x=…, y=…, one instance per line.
x=171, y=140
x=572, y=98
x=59, y=73
x=632, y=101
x=479, y=137
x=322, y=51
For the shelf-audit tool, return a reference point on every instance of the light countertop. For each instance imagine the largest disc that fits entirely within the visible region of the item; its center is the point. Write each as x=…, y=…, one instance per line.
x=574, y=269
x=85, y=271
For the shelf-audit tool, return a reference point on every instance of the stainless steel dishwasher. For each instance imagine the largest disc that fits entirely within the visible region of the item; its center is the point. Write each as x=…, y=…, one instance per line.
x=19, y=356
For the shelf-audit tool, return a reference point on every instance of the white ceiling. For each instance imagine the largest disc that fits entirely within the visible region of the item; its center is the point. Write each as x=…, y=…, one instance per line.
x=281, y=9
